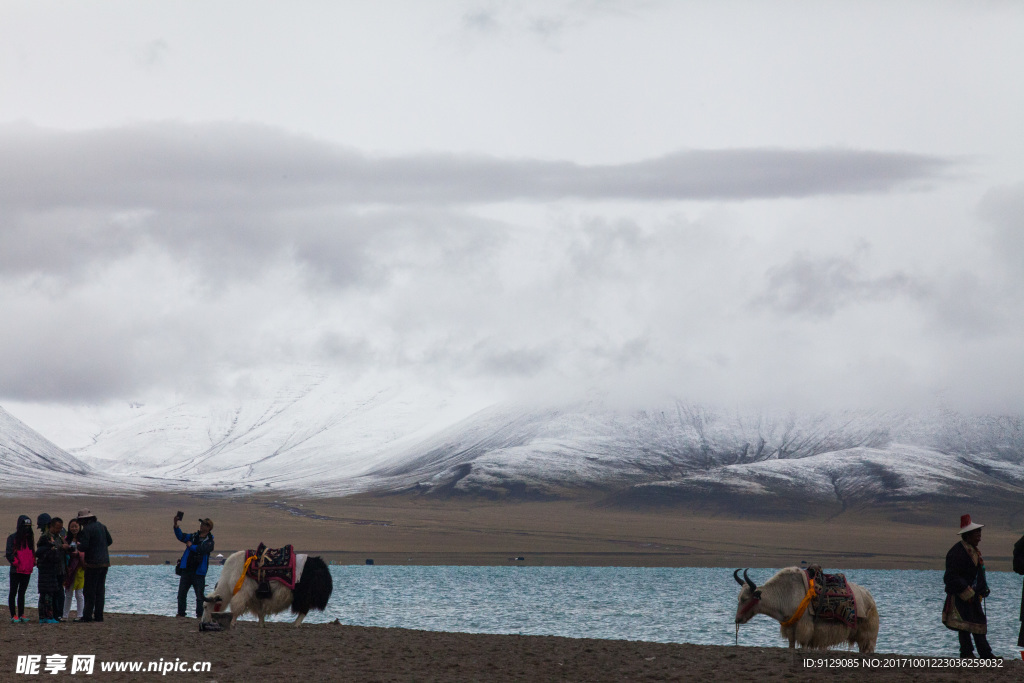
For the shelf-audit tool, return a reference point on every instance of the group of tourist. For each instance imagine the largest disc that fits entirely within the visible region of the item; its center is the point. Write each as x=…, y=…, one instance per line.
x=72, y=565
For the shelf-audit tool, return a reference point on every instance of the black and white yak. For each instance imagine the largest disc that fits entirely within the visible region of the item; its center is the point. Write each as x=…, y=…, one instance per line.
x=780, y=598
x=312, y=591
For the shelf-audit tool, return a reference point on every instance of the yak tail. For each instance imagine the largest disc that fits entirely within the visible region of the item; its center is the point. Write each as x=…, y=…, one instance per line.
x=314, y=587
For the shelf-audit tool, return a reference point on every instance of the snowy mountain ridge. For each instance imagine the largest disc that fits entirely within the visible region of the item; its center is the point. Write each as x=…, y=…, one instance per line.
x=317, y=435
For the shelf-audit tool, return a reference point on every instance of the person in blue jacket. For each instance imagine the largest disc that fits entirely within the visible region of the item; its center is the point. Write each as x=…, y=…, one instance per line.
x=193, y=564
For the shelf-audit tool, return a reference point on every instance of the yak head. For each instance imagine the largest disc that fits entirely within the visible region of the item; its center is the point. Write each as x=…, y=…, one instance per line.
x=212, y=604
x=749, y=598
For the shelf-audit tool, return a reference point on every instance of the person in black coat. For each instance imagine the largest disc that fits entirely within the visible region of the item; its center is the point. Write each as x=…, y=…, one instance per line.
x=1018, y=566
x=93, y=541
x=965, y=588
x=50, y=561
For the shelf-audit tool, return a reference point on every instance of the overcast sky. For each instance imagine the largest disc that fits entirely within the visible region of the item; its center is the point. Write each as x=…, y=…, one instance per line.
x=785, y=203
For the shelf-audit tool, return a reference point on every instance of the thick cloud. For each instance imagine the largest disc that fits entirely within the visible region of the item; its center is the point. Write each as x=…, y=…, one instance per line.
x=163, y=258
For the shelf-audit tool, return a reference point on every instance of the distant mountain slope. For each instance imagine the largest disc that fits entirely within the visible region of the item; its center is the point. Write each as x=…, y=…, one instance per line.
x=317, y=435
x=28, y=462
x=687, y=454
x=309, y=431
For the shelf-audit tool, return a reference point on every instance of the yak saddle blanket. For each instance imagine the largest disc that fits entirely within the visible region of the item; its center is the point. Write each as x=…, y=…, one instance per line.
x=272, y=564
x=835, y=600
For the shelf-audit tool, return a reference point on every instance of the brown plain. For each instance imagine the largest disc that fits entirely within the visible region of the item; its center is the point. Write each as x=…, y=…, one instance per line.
x=420, y=530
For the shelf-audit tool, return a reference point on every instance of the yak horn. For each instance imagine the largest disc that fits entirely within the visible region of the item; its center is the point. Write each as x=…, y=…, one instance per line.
x=735, y=575
x=753, y=586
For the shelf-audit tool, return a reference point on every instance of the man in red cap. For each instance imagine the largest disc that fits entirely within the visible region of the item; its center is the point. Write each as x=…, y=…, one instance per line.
x=965, y=588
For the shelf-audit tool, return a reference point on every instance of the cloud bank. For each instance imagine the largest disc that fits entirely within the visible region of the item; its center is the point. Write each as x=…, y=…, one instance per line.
x=161, y=258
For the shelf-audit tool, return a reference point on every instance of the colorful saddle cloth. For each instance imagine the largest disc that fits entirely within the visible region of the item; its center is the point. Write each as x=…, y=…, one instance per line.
x=835, y=601
x=272, y=564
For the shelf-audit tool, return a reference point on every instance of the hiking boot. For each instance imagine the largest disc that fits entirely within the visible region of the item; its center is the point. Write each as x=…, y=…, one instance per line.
x=23, y=619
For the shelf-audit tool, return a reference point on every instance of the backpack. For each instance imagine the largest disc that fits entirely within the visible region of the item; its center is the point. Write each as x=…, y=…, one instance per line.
x=1018, y=556
x=24, y=560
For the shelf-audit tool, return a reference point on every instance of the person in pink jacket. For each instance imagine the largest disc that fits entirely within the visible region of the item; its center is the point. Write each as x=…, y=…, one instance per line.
x=21, y=553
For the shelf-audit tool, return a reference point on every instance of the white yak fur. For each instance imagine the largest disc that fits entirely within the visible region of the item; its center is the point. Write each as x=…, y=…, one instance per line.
x=780, y=598
x=245, y=599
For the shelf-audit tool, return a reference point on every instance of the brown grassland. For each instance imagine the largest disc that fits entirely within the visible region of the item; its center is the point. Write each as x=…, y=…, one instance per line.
x=418, y=530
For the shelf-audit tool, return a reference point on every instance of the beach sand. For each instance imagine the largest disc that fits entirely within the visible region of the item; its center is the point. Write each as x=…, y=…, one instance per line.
x=335, y=652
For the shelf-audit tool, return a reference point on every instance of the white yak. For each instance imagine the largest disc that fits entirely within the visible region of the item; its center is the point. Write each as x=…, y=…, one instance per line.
x=313, y=589
x=780, y=598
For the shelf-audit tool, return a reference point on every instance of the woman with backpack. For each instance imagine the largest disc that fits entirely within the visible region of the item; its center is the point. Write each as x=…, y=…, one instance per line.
x=21, y=553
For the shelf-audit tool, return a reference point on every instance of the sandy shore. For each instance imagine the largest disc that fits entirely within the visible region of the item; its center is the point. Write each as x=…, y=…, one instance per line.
x=334, y=652
x=409, y=530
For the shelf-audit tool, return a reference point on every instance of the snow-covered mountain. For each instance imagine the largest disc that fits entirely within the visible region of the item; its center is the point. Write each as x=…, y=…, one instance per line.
x=309, y=431
x=318, y=435
x=31, y=463
x=737, y=460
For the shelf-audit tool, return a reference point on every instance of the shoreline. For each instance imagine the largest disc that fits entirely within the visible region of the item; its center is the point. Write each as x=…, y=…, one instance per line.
x=333, y=651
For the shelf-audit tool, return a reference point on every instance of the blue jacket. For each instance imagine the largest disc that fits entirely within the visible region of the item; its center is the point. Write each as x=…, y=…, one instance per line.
x=201, y=547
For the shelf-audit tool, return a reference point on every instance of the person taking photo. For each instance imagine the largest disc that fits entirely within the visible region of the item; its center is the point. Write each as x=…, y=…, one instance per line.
x=194, y=562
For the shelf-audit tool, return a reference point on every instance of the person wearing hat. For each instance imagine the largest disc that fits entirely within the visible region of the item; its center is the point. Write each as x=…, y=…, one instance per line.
x=93, y=541
x=194, y=562
x=21, y=553
x=966, y=587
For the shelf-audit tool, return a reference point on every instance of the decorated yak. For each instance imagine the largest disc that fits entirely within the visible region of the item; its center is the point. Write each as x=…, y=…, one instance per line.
x=814, y=609
x=268, y=581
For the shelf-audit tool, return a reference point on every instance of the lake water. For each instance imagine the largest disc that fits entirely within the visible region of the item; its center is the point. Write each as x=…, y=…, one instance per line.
x=672, y=605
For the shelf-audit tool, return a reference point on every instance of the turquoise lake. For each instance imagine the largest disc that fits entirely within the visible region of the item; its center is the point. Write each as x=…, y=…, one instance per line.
x=672, y=605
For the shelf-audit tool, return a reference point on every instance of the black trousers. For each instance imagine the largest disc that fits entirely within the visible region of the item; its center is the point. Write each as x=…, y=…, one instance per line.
x=966, y=650
x=19, y=584
x=94, y=592
x=1020, y=636
x=191, y=581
